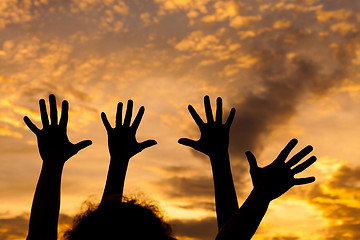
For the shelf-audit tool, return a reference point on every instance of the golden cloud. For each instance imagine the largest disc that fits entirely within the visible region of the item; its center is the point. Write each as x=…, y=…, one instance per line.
x=281, y=24
x=241, y=21
x=326, y=16
x=5, y=131
x=344, y=28
x=337, y=199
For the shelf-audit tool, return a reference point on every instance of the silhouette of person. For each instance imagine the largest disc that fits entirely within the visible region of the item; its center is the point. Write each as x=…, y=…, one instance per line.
x=55, y=149
x=117, y=217
x=269, y=182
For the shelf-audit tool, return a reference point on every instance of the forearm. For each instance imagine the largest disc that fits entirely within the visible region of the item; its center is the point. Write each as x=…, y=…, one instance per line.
x=46, y=204
x=114, y=186
x=225, y=194
x=244, y=223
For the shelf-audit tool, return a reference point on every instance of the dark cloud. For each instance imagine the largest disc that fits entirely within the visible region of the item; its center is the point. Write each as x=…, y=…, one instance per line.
x=193, y=187
x=177, y=170
x=287, y=82
x=347, y=178
x=288, y=73
x=192, y=205
x=203, y=229
x=197, y=191
x=285, y=238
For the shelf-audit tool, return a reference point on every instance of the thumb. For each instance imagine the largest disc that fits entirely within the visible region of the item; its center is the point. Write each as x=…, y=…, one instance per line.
x=252, y=160
x=188, y=142
x=146, y=144
x=105, y=121
x=81, y=145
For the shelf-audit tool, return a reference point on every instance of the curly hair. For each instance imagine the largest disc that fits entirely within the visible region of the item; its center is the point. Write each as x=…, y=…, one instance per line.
x=115, y=219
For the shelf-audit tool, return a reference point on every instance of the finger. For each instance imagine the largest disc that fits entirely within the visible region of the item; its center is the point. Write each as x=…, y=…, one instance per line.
x=43, y=113
x=119, y=114
x=208, y=111
x=64, y=113
x=31, y=126
x=188, y=142
x=196, y=117
x=252, y=160
x=301, y=167
x=128, y=113
x=301, y=181
x=53, y=110
x=230, y=118
x=218, y=110
x=82, y=144
x=300, y=155
x=105, y=121
x=138, y=118
x=146, y=144
x=286, y=151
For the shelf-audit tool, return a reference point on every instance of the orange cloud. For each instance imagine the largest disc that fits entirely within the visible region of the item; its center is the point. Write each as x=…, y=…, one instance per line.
x=281, y=24
x=344, y=28
x=337, y=199
x=244, y=21
x=326, y=16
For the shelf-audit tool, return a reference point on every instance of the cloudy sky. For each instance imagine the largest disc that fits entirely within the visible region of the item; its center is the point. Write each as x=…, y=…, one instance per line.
x=291, y=68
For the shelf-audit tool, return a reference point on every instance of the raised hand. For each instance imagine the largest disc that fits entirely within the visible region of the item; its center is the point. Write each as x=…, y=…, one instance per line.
x=121, y=139
x=53, y=142
x=214, y=142
x=122, y=146
x=55, y=148
x=269, y=183
x=275, y=179
x=214, y=137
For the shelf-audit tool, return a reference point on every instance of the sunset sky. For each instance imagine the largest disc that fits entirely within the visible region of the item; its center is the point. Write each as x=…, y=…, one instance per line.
x=291, y=68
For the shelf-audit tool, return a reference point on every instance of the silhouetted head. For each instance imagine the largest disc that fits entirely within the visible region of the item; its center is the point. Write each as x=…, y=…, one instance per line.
x=113, y=219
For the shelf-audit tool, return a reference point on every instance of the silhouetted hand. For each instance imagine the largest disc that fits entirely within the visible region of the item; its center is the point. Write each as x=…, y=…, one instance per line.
x=214, y=142
x=54, y=145
x=121, y=139
x=214, y=137
x=275, y=179
x=55, y=148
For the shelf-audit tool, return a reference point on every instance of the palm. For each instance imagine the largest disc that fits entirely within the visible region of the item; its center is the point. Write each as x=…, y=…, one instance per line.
x=214, y=134
x=212, y=137
x=278, y=177
x=121, y=139
x=53, y=142
x=273, y=180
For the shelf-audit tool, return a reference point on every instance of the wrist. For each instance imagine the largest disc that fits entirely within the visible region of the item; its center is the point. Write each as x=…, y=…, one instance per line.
x=260, y=196
x=52, y=170
x=53, y=166
x=120, y=155
x=219, y=157
x=219, y=153
x=119, y=161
